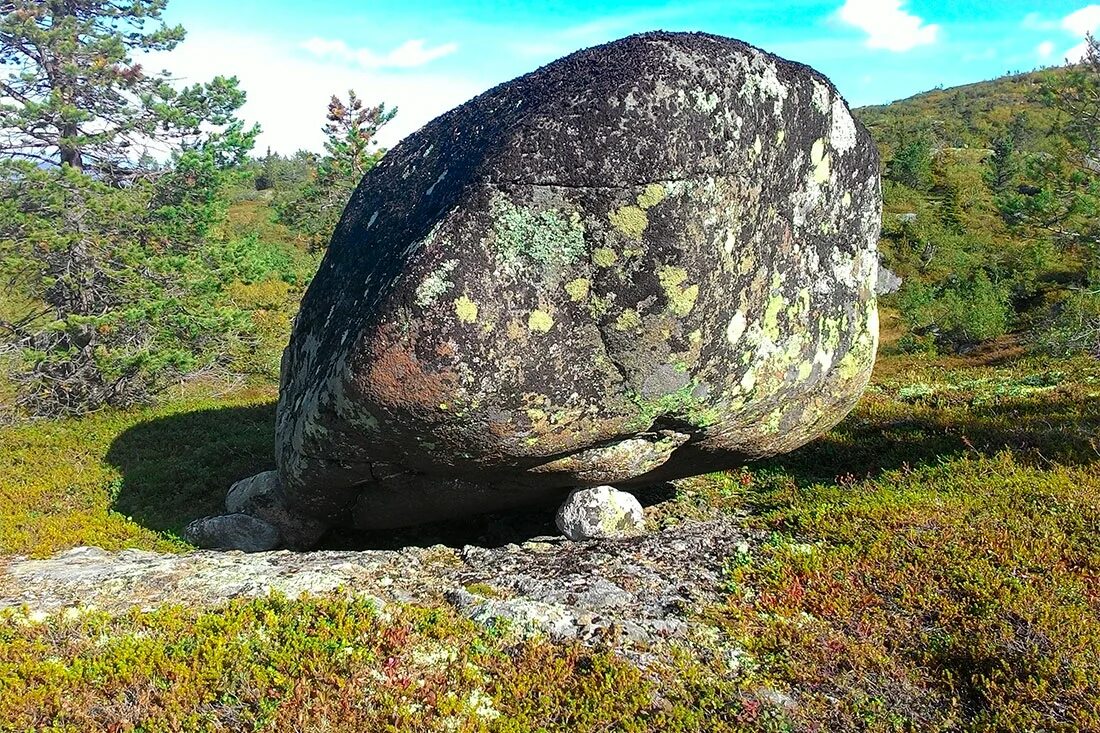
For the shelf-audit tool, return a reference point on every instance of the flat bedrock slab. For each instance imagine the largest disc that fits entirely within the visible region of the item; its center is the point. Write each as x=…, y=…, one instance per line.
x=566, y=589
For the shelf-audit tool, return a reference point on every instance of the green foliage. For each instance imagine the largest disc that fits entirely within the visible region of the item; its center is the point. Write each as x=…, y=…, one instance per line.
x=126, y=286
x=314, y=209
x=112, y=261
x=958, y=312
x=912, y=164
x=73, y=94
x=281, y=173
x=108, y=480
x=991, y=207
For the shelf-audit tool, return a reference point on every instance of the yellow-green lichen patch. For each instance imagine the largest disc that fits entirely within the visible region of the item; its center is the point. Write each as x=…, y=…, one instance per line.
x=653, y=194
x=466, y=309
x=578, y=289
x=604, y=257
x=757, y=146
x=773, y=421
x=540, y=321
x=780, y=137
x=681, y=299
x=598, y=305
x=628, y=320
x=744, y=267
x=771, y=316
x=631, y=221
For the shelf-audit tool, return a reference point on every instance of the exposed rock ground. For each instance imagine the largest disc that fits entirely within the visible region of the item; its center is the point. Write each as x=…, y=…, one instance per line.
x=641, y=586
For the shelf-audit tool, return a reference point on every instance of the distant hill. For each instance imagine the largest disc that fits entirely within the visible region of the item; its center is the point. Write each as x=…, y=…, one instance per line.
x=959, y=165
x=972, y=115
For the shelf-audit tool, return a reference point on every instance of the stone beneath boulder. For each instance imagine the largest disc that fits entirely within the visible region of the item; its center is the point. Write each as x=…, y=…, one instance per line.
x=600, y=513
x=645, y=261
x=232, y=532
x=262, y=496
x=888, y=282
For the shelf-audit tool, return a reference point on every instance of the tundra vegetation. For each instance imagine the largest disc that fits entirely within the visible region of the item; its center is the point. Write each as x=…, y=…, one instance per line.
x=932, y=563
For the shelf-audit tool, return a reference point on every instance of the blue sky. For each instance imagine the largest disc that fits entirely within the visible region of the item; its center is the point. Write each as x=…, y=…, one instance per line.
x=426, y=57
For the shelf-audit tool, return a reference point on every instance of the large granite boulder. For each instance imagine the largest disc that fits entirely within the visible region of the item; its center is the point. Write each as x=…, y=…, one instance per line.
x=647, y=260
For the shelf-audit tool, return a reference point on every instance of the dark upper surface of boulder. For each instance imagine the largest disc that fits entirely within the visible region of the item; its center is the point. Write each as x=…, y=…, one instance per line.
x=646, y=260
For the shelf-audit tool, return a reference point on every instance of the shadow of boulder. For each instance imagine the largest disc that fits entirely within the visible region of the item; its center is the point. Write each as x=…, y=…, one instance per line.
x=177, y=468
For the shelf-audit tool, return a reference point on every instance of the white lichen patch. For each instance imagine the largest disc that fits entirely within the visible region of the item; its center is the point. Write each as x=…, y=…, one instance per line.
x=821, y=97
x=435, y=284
x=842, y=134
x=705, y=101
x=439, y=180
x=736, y=328
x=762, y=79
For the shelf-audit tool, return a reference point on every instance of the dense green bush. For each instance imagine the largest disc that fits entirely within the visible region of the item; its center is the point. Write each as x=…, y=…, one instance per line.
x=957, y=313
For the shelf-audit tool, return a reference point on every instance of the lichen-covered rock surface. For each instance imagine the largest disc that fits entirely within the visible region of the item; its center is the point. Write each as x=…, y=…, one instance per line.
x=647, y=260
x=565, y=589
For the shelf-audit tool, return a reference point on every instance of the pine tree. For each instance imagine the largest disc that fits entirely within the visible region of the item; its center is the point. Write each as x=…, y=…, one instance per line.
x=351, y=129
x=72, y=93
x=95, y=233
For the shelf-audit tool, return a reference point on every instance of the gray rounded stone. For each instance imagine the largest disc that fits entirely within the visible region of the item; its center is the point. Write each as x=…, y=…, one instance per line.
x=600, y=513
x=232, y=532
x=262, y=496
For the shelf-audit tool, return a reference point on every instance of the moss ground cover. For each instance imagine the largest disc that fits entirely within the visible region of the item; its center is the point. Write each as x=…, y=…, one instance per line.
x=128, y=479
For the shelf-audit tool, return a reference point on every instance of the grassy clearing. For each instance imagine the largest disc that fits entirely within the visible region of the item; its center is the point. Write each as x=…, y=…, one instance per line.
x=933, y=565
x=934, y=562
x=128, y=479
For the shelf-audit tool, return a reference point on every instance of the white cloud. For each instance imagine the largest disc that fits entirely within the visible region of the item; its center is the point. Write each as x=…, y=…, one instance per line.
x=408, y=55
x=1079, y=23
x=288, y=90
x=1045, y=50
x=1077, y=53
x=1036, y=22
x=1085, y=20
x=887, y=25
